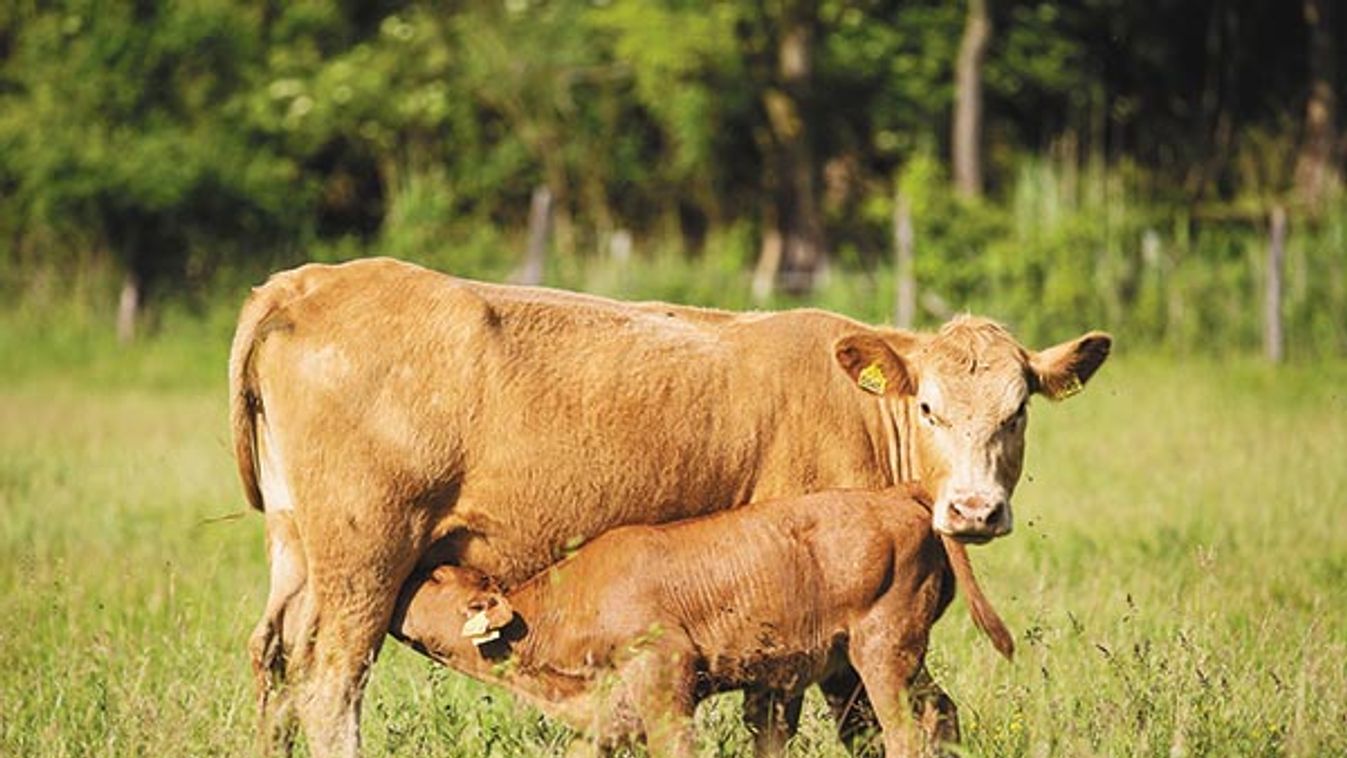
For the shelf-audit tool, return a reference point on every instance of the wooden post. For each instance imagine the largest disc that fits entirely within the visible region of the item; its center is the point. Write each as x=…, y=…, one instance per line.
x=1273, y=343
x=540, y=218
x=128, y=307
x=769, y=256
x=905, y=301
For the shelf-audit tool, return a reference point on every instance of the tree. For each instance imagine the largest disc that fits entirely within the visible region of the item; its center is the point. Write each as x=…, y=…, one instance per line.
x=1317, y=172
x=788, y=101
x=120, y=133
x=732, y=91
x=689, y=84
x=967, y=130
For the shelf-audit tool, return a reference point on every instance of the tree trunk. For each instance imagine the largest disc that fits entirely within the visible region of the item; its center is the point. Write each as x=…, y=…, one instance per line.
x=967, y=136
x=1317, y=172
x=1212, y=143
x=790, y=175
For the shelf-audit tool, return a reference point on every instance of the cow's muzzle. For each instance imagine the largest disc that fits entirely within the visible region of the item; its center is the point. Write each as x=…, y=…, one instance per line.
x=973, y=519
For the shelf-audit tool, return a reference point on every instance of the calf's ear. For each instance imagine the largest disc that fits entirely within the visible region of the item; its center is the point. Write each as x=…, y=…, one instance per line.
x=873, y=365
x=1062, y=370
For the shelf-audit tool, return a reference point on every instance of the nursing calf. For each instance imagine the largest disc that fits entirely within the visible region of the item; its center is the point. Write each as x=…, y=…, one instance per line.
x=622, y=639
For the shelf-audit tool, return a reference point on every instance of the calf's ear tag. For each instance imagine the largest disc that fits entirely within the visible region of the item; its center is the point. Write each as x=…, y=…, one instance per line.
x=872, y=379
x=478, y=629
x=476, y=626
x=490, y=636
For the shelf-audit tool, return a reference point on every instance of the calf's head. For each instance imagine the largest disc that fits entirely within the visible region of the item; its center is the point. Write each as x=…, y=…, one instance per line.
x=451, y=595
x=959, y=399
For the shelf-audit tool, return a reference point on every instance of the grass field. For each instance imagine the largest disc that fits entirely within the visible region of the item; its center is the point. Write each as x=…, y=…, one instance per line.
x=1177, y=580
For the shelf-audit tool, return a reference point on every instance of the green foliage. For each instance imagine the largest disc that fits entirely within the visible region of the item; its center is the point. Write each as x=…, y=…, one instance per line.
x=1072, y=250
x=1132, y=156
x=901, y=61
x=677, y=55
x=120, y=128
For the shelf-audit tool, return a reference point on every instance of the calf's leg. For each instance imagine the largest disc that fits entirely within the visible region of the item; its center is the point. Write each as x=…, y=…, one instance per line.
x=936, y=712
x=659, y=681
x=888, y=657
x=850, y=707
x=773, y=716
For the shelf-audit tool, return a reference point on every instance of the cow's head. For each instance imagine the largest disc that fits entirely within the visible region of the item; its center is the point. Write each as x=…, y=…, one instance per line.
x=959, y=399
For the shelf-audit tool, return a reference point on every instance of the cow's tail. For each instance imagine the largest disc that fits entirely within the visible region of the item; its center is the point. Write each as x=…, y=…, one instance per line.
x=245, y=399
x=984, y=615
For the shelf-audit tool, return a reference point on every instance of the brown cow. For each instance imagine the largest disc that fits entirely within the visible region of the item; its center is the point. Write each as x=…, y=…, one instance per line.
x=386, y=416
x=622, y=639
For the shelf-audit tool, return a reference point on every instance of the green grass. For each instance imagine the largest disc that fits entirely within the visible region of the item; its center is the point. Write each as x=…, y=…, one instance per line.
x=1177, y=580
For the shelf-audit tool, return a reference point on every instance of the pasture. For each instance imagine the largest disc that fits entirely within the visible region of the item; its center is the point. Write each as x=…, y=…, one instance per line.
x=1177, y=580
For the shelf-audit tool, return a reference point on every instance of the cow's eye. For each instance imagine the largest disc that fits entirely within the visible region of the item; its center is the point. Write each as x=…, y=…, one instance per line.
x=929, y=416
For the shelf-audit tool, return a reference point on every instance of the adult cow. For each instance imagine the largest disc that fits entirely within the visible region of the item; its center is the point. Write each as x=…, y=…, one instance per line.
x=384, y=415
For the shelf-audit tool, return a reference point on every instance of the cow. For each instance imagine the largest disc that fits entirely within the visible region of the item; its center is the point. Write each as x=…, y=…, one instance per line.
x=386, y=417
x=622, y=639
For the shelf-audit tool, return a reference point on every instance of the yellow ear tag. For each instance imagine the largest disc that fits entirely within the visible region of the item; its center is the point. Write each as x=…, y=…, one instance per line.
x=872, y=379
x=476, y=626
x=1072, y=387
x=478, y=629
x=490, y=636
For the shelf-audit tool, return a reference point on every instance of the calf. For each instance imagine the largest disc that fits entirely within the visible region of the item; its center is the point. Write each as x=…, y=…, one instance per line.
x=623, y=638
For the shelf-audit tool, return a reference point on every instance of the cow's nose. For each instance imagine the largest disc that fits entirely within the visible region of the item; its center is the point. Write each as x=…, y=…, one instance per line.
x=996, y=515
x=978, y=516
x=972, y=510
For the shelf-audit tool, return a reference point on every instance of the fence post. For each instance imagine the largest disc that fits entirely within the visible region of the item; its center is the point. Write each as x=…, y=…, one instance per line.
x=905, y=305
x=128, y=307
x=1273, y=343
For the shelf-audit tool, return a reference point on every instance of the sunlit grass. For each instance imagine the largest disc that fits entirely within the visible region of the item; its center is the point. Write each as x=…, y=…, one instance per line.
x=1177, y=579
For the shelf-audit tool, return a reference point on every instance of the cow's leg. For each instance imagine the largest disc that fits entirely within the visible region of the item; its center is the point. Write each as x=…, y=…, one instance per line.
x=271, y=645
x=772, y=716
x=359, y=557
x=935, y=711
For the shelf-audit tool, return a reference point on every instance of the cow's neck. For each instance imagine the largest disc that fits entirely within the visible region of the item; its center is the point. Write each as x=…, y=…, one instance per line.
x=900, y=451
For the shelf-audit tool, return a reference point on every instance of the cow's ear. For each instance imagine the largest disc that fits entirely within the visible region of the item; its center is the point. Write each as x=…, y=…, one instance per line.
x=1062, y=370
x=873, y=365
